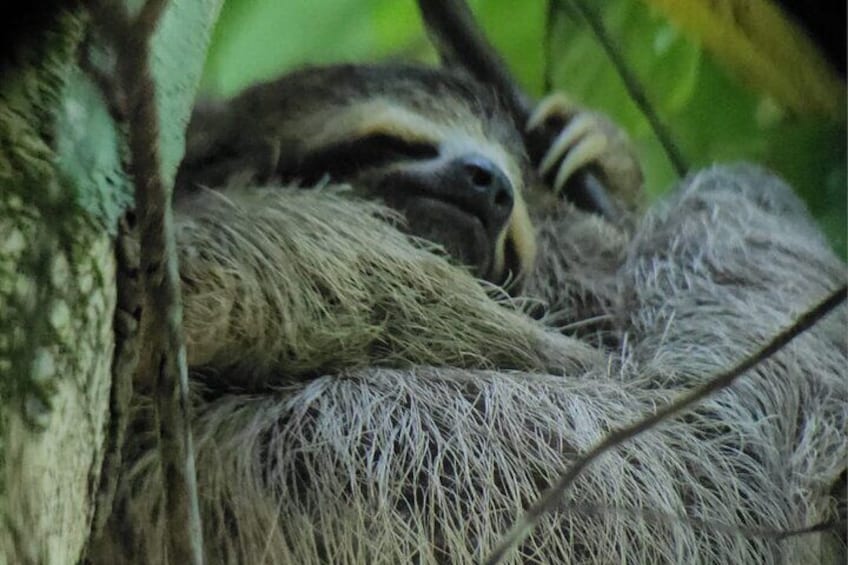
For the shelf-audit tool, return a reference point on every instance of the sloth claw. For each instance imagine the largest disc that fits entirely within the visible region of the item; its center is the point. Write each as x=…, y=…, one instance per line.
x=576, y=129
x=587, y=138
x=588, y=150
x=554, y=105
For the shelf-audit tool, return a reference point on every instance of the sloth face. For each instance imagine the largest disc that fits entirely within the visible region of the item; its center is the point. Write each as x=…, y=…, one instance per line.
x=432, y=144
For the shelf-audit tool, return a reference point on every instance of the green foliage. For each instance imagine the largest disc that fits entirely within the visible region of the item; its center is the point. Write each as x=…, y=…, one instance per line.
x=709, y=113
x=259, y=39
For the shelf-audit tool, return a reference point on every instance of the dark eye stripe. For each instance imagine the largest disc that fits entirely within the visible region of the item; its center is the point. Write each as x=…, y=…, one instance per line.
x=344, y=159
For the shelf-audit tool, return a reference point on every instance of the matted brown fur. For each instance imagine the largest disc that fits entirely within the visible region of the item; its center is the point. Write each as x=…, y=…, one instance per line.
x=360, y=400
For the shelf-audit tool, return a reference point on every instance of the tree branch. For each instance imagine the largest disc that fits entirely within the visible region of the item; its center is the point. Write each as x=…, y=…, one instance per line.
x=631, y=83
x=459, y=40
x=551, y=499
x=163, y=358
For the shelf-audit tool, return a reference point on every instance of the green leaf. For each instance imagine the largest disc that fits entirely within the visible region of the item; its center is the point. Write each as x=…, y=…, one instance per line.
x=765, y=49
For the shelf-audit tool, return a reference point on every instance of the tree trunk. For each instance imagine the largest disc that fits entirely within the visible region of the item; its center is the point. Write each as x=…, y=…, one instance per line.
x=62, y=192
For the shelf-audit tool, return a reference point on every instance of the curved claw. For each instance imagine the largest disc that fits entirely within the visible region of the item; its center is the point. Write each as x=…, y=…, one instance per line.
x=584, y=152
x=573, y=132
x=570, y=138
x=557, y=104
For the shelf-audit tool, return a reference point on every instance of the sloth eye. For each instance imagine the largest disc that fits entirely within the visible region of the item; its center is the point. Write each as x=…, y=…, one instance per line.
x=344, y=159
x=383, y=145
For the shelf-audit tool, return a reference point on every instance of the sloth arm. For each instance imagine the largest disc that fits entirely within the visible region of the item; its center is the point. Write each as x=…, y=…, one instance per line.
x=286, y=284
x=297, y=283
x=747, y=223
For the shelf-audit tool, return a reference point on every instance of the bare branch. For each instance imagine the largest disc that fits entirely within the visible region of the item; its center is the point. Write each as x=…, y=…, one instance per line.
x=163, y=359
x=124, y=364
x=656, y=517
x=551, y=499
x=459, y=40
x=634, y=88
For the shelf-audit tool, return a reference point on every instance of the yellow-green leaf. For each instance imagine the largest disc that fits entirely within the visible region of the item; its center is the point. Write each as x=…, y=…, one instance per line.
x=765, y=48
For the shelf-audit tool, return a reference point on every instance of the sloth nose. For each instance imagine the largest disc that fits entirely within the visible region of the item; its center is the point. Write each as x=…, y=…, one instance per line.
x=482, y=188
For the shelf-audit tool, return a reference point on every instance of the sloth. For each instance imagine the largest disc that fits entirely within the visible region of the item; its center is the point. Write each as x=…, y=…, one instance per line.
x=432, y=144
x=399, y=334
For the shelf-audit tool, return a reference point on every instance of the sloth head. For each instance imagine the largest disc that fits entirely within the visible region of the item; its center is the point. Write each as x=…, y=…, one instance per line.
x=433, y=144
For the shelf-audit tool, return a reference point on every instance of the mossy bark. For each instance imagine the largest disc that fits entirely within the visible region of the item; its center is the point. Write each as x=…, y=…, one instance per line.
x=62, y=190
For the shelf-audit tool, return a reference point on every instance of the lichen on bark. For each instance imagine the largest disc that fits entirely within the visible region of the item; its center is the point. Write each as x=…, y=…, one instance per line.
x=62, y=190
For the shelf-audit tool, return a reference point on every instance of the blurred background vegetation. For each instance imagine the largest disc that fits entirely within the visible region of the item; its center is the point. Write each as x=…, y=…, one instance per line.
x=713, y=108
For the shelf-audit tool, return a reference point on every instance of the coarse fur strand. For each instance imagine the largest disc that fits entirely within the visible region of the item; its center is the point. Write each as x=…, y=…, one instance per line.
x=358, y=399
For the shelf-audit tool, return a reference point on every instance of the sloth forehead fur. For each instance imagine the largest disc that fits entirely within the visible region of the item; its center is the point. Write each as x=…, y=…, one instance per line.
x=419, y=102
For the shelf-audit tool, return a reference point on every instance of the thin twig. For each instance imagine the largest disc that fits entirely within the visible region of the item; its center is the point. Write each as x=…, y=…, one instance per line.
x=124, y=365
x=551, y=499
x=634, y=88
x=547, y=49
x=459, y=40
x=584, y=510
x=162, y=342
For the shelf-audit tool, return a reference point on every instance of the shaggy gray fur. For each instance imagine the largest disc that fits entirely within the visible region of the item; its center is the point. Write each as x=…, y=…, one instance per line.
x=383, y=408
